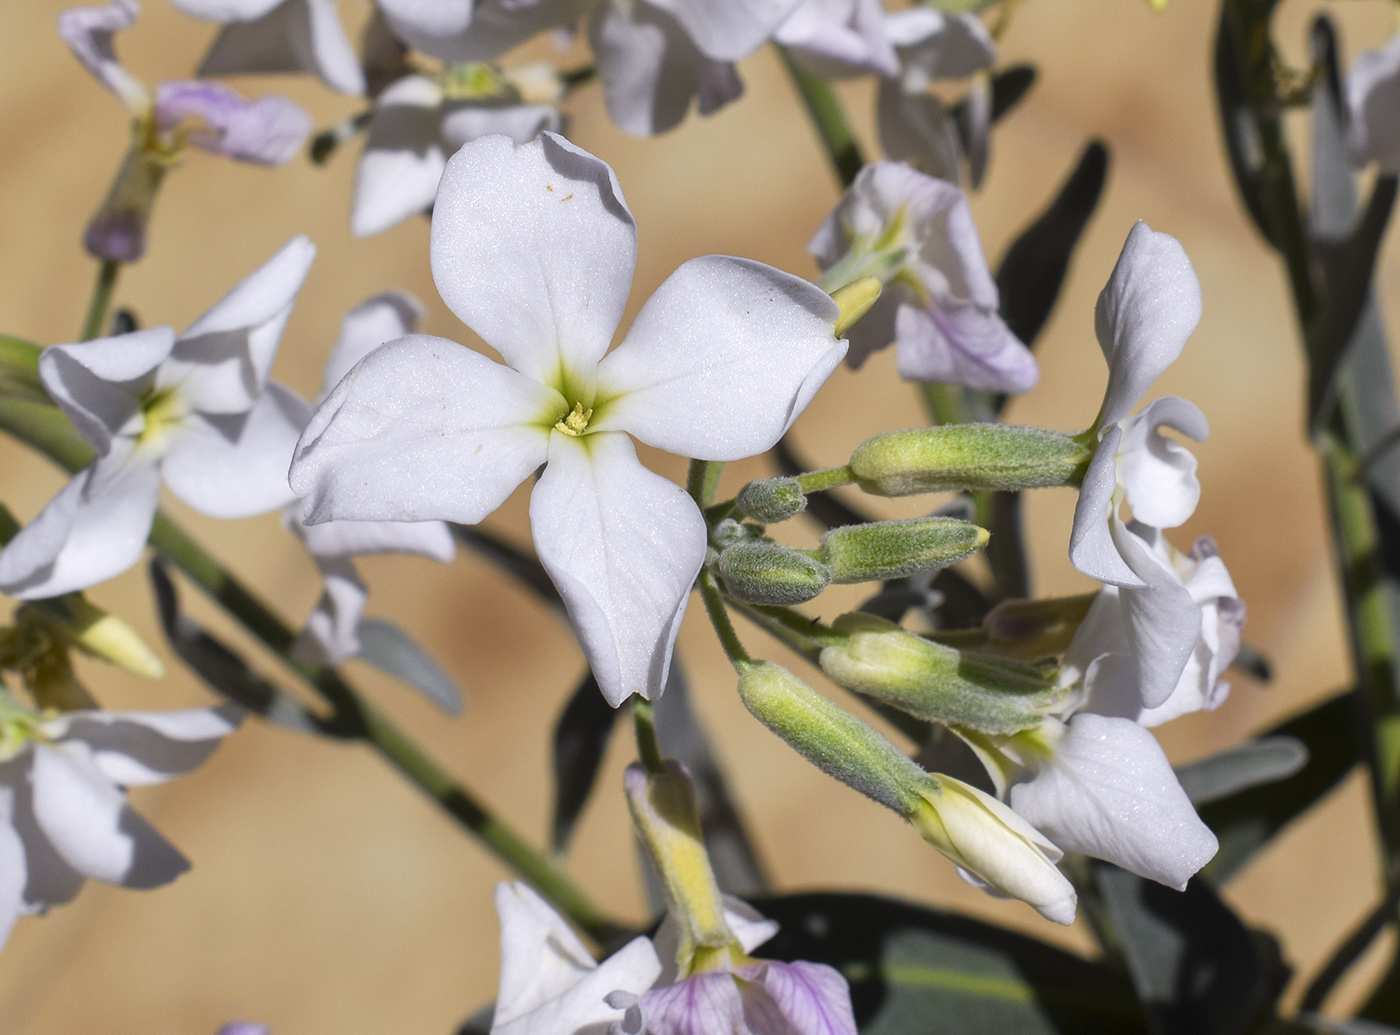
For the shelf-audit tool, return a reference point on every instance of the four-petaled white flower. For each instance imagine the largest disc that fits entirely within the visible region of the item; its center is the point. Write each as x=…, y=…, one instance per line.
x=533, y=247
x=196, y=410
x=331, y=634
x=940, y=302
x=279, y=36
x=63, y=814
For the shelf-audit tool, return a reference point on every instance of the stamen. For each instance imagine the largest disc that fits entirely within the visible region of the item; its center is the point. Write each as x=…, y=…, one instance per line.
x=576, y=422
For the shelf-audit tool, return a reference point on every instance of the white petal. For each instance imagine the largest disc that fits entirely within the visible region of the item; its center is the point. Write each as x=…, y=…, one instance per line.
x=99, y=384
x=225, y=11
x=727, y=30
x=140, y=748
x=353, y=538
x=95, y=528
x=294, y=36
x=959, y=47
x=650, y=68
x=221, y=363
x=533, y=248
x=721, y=360
x=404, y=157
x=379, y=318
x=14, y=867
x=541, y=957
x=1145, y=313
x=331, y=635
x=88, y=31
x=463, y=123
x=750, y=926
x=916, y=128
x=1091, y=548
x=86, y=818
x=422, y=429
x=839, y=38
x=623, y=545
x=584, y=1007
x=1158, y=473
x=460, y=30
x=48, y=879
x=236, y=466
x=1109, y=792
x=1373, y=97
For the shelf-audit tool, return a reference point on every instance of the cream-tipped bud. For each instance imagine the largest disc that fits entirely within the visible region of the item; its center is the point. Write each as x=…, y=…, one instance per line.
x=854, y=301
x=967, y=456
x=771, y=500
x=763, y=572
x=936, y=682
x=994, y=845
x=891, y=549
x=98, y=633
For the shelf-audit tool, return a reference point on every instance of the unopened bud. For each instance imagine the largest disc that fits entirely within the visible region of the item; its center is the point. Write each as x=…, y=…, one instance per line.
x=97, y=632
x=833, y=740
x=761, y=572
x=772, y=500
x=936, y=682
x=1033, y=629
x=854, y=300
x=993, y=845
x=892, y=549
x=118, y=231
x=967, y=456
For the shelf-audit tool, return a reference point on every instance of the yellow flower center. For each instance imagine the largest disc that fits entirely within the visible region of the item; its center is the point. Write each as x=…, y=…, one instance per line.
x=575, y=423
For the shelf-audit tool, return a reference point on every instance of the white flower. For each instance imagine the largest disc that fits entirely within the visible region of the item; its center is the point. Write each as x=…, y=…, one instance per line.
x=533, y=247
x=1373, y=98
x=940, y=302
x=413, y=130
x=331, y=634
x=550, y=985
x=833, y=38
x=196, y=410
x=279, y=36
x=63, y=814
x=1148, y=309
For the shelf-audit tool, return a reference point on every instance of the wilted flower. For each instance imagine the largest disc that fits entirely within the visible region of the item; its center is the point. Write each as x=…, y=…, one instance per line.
x=63, y=814
x=533, y=247
x=196, y=410
x=940, y=302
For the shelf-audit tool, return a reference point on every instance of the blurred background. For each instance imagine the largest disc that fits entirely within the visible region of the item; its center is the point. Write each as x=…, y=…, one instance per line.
x=327, y=895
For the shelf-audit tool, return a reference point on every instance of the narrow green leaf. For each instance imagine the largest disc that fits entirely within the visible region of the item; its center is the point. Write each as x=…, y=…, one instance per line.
x=390, y=649
x=581, y=735
x=1252, y=764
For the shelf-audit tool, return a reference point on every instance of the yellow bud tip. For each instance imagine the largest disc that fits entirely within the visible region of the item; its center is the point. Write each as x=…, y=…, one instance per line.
x=576, y=422
x=982, y=536
x=855, y=301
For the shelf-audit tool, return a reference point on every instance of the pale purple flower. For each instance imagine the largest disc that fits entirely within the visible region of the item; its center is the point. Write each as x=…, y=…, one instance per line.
x=1373, y=100
x=279, y=36
x=63, y=812
x=195, y=411
x=244, y=1028
x=533, y=247
x=939, y=306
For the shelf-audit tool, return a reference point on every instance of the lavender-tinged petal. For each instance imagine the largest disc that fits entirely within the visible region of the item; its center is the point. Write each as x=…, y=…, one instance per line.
x=88, y=31
x=705, y=1004
x=269, y=131
x=812, y=998
x=832, y=38
x=244, y=1028
x=962, y=343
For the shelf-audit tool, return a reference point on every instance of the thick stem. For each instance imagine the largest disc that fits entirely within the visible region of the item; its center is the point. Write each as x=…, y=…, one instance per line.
x=829, y=118
x=648, y=743
x=101, y=299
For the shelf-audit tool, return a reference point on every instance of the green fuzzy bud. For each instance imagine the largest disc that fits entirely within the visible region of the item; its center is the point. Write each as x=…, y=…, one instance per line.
x=833, y=740
x=935, y=682
x=762, y=572
x=967, y=456
x=891, y=549
x=772, y=500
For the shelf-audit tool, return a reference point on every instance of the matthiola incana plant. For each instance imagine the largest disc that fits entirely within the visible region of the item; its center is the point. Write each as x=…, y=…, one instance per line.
x=1014, y=732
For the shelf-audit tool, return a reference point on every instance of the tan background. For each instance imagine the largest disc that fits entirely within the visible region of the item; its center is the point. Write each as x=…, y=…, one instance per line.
x=327, y=896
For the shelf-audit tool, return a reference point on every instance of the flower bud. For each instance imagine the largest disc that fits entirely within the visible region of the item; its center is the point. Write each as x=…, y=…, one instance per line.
x=760, y=572
x=118, y=231
x=936, y=682
x=833, y=740
x=994, y=845
x=967, y=456
x=891, y=549
x=771, y=500
x=854, y=300
x=96, y=632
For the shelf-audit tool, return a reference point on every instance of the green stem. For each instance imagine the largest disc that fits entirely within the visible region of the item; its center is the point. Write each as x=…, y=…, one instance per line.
x=648, y=744
x=45, y=429
x=786, y=627
x=719, y=618
x=101, y=299
x=829, y=117
x=830, y=478
x=702, y=481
